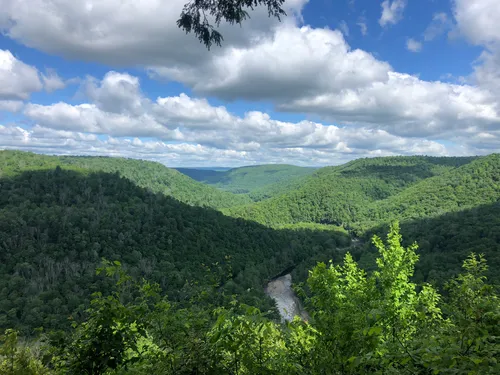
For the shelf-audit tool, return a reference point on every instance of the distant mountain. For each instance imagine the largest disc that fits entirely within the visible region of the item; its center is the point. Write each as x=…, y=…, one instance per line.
x=205, y=168
x=147, y=174
x=260, y=182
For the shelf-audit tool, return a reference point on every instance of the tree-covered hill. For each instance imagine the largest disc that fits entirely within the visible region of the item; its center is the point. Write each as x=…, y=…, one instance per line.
x=444, y=241
x=342, y=195
x=56, y=225
x=151, y=175
x=60, y=215
x=260, y=182
x=468, y=186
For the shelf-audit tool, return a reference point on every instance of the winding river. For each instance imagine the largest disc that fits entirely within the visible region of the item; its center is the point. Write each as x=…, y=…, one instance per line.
x=280, y=289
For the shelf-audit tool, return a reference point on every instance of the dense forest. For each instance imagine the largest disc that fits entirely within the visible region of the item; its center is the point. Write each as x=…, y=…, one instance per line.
x=377, y=323
x=150, y=175
x=356, y=192
x=182, y=265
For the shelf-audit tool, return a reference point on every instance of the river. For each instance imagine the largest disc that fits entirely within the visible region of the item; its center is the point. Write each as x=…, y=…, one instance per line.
x=280, y=289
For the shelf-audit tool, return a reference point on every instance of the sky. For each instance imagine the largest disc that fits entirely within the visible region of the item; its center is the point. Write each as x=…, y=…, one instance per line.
x=333, y=81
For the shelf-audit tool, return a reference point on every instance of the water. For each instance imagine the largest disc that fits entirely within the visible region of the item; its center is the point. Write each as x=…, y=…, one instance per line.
x=287, y=302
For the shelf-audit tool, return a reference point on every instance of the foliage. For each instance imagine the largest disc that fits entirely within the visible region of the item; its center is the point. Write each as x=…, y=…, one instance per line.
x=366, y=319
x=361, y=323
x=17, y=358
x=349, y=195
x=149, y=175
x=197, y=16
x=56, y=225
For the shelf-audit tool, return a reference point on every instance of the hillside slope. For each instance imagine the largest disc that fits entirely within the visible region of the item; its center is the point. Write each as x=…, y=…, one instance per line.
x=471, y=185
x=343, y=195
x=57, y=224
x=147, y=174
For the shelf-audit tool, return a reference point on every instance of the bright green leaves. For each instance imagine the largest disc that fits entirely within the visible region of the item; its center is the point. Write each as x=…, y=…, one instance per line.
x=377, y=323
x=365, y=320
x=250, y=343
x=17, y=358
x=474, y=313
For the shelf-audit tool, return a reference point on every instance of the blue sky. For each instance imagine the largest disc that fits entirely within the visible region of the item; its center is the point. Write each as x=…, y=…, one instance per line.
x=335, y=81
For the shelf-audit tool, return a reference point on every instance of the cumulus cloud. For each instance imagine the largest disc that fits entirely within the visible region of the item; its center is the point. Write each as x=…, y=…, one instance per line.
x=408, y=106
x=413, y=45
x=11, y=105
x=122, y=32
x=46, y=140
x=299, y=69
x=18, y=80
x=477, y=20
x=194, y=121
x=116, y=93
x=392, y=12
x=293, y=62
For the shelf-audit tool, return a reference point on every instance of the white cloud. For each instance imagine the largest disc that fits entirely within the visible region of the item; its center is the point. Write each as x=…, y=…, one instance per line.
x=122, y=32
x=18, y=80
x=293, y=62
x=413, y=45
x=116, y=93
x=408, y=106
x=41, y=139
x=362, y=26
x=392, y=12
x=299, y=69
x=194, y=121
x=11, y=105
x=52, y=81
x=89, y=118
x=478, y=22
x=439, y=25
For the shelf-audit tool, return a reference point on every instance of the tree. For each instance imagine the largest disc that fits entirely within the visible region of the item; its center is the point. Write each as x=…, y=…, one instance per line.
x=200, y=16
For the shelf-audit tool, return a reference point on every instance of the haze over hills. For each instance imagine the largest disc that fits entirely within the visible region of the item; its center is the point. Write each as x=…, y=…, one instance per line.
x=260, y=182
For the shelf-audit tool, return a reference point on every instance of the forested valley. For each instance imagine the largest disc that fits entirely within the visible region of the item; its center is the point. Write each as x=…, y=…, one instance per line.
x=120, y=266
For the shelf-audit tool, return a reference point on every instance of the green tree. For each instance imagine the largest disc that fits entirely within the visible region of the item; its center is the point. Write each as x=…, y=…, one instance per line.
x=17, y=358
x=199, y=16
x=370, y=323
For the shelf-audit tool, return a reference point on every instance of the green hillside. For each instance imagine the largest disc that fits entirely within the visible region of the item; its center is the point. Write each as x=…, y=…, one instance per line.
x=343, y=195
x=468, y=186
x=57, y=224
x=260, y=182
x=150, y=175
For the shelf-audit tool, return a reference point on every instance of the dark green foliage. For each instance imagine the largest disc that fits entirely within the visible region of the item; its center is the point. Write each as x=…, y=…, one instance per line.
x=56, y=225
x=361, y=323
x=259, y=182
x=199, y=16
x=150, y=175
x=444, y=241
